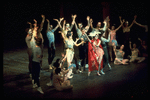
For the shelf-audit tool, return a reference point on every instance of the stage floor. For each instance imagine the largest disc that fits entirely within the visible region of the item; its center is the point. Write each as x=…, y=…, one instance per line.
x=123, y=81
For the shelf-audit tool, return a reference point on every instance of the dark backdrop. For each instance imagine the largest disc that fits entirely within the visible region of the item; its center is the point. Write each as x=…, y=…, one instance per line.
x=17, y=14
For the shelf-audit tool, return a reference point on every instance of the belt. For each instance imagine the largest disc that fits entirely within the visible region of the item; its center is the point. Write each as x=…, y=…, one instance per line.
x=70, y=49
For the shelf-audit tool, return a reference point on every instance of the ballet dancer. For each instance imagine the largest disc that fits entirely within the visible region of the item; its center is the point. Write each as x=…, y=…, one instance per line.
x=113, y=38
x=119, y=53
x=95, y=53
x=126, y=35
x=135, y=52
x=83, y=49
x=51, y=38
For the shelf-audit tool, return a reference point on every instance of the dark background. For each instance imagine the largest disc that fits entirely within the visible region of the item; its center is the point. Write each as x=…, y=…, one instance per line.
x=17, y=14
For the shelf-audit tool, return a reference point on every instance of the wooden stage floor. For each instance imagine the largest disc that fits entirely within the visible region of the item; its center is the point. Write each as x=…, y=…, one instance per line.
x=123, y=81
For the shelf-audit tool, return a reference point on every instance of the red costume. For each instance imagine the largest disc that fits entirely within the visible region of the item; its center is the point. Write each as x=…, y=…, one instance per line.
x=92, y=54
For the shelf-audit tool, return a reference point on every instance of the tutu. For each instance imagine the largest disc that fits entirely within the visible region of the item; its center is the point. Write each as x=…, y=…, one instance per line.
x=115, y=42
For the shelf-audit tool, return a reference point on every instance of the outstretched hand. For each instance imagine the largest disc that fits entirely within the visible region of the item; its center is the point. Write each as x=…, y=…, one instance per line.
x=47, y=20
x=28, y=22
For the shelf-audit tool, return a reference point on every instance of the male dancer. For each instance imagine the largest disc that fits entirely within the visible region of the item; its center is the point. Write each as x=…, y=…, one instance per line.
x=83, y=49
x=51, y=39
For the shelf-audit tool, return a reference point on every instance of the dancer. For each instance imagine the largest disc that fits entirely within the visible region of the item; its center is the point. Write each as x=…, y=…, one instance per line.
x=64, y=32
x=38, y=34
x=57, y=64
x=70, y=50
x=59, y=82
x=83, y=49
x=143, y=48
x=135, y=53
x=29, y=50
x=126, y=35
x=36, y=43
x=70, y=43
x=113, y=38
x=95, y=53
x=37, y=57
x=51, y=38
x=119, y=53
x=105, y=57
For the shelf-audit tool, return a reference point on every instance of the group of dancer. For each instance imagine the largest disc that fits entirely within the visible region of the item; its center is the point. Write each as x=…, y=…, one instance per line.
x=92, y=49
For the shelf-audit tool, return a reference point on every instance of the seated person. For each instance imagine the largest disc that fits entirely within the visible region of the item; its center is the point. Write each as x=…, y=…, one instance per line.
x=119, y=53
x=135, y=53
x=59, y=83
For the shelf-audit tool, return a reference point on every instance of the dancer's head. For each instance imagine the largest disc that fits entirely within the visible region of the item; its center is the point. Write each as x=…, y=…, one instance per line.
x=126, y=23
x=122, y=47
x=83, y=30
x=69, y=35
x=57, y=70
x=96, y=36
x=80, y=25
x=57, y=64
x=99, y=24
x=134, y=45
x=67, y=26
x=50, y=27
x=113, y=27
x=29, y=31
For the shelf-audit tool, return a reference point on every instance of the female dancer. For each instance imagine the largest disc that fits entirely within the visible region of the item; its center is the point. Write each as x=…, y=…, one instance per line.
x=59, y=83
x=95, y=53
x=112, y=33
x=135, y=52
x=70, y=43
x=119, y=55
x=70, y=50
x=126, y=36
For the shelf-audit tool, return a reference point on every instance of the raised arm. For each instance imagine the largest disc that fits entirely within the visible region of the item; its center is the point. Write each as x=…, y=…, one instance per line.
x=120, y=25
x=133, y=21
x=139, y=24
x=30, y=24
x=121, y=21
x=88, y=22
x=42, y=23
x=58, y=25
x=73, y=21
x=91, y=21
x=48, y=24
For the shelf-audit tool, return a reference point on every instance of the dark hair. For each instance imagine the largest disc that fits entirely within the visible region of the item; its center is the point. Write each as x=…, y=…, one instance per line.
x=57, y=70
x=69, y=34
x=56, y=64
x=38, y=41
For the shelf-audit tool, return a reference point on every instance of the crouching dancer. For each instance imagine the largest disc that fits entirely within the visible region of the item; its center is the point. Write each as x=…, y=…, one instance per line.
x=59, y=83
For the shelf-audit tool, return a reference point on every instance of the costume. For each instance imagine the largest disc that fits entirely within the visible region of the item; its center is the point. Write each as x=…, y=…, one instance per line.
x=51, y=46
x=93, y=53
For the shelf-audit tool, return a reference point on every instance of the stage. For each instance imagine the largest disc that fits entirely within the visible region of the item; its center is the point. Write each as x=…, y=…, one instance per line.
x=123, y=81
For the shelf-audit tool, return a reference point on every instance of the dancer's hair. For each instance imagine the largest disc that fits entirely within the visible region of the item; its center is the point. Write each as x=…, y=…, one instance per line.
x=69, y=34
x=57, y=70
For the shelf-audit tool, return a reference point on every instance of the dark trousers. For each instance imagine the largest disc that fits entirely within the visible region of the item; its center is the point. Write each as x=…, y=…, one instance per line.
x=83, y=54
x=36, y=72
x=51, y=54
x=105, y=57
x=29, y=51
